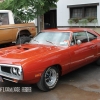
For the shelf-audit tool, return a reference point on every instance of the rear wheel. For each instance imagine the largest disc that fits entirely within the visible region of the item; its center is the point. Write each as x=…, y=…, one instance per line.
x=49, y=79
x=23, y=39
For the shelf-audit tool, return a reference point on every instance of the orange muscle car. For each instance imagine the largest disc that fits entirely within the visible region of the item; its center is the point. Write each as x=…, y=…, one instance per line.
x=52, y=53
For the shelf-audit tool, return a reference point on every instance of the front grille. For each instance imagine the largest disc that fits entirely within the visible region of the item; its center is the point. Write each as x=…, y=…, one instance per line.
x=5, y=69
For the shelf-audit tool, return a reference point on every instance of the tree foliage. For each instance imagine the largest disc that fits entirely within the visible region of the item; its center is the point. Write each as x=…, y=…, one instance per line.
x=28, y=9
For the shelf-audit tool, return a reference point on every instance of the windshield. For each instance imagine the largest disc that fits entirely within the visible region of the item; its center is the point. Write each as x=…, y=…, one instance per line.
x=52, y=38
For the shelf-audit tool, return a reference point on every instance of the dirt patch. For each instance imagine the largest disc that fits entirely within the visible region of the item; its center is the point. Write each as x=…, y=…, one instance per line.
x=94, y=86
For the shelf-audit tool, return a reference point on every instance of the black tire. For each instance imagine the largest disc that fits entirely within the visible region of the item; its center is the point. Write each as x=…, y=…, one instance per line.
x=98, y=62
x=49, y=79
x=22, y=40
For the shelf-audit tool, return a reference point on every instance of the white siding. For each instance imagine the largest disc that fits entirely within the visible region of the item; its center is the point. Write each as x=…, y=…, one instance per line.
x=63, y=13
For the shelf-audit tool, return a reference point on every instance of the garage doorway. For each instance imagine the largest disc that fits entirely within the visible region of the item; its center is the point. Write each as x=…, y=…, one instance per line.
x=50, y=19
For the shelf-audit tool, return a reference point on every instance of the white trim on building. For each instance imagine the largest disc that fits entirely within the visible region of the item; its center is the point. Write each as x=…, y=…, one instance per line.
x=63, y=11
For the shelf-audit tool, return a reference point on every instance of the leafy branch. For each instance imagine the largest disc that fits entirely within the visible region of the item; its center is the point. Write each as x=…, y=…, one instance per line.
x=28, y=9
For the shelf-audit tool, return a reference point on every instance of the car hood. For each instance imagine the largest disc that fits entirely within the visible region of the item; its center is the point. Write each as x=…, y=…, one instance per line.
x=23, y=52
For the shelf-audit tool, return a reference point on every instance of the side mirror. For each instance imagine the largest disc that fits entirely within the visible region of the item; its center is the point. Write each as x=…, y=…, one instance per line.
x=79, y=42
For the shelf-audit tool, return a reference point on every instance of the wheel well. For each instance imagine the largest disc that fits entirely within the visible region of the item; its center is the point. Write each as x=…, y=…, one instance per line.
x=59, y=68
x=23, y=32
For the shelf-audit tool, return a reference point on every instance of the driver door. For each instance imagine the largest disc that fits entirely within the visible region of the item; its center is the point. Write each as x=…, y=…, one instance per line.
x=80, y=53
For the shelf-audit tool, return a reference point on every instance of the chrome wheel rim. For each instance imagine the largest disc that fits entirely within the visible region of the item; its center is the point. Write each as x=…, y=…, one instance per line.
x=51, y=77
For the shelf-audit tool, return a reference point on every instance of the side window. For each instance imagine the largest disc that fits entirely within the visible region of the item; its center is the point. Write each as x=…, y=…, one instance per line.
x=73, y=41
x=17, y=20
x=91, y=36
x=81, y=36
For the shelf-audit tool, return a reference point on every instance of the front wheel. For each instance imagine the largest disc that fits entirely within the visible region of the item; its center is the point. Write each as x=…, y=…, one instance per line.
x=49, y=79
x=22, y=40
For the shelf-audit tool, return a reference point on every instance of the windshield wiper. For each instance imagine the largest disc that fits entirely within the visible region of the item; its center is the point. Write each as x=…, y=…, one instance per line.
x=36, y=40
x=50, y=42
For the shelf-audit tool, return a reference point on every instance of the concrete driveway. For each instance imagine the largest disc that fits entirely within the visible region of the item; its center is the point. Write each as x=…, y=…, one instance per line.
x=82, y=84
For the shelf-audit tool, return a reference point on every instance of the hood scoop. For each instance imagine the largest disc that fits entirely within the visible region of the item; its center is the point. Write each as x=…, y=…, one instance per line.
x=23, y=48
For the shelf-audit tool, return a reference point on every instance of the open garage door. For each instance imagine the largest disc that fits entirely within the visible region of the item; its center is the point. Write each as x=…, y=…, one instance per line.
x=50, y=19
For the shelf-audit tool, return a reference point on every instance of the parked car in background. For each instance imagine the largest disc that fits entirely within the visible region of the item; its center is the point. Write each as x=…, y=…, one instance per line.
x=49, y=55
x=13, y=30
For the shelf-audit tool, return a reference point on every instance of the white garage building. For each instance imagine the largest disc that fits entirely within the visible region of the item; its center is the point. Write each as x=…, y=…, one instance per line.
x=73, y=13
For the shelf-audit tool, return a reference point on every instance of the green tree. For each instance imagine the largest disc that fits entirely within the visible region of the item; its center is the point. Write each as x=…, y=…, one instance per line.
x=28, y=9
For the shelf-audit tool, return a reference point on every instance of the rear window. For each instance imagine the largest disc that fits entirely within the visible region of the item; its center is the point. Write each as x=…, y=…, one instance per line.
x=4, y=20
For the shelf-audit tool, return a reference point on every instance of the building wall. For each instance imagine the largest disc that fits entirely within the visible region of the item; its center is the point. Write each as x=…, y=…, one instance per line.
x=63, y=13
x=97, y=30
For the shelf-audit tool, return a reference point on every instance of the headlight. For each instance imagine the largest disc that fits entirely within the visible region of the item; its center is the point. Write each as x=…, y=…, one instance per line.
x=16, y=71
x=19, y=71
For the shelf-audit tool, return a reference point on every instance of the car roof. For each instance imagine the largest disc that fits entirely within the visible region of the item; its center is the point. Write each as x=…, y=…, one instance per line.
x=69, y=29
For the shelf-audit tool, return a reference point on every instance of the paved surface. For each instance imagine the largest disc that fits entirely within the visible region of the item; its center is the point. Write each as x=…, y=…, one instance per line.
x=82, y=84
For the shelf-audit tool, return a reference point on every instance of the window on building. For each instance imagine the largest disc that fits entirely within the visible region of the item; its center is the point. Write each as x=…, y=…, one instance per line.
x=77, y=12
x=90, y=12
x=83, y=10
